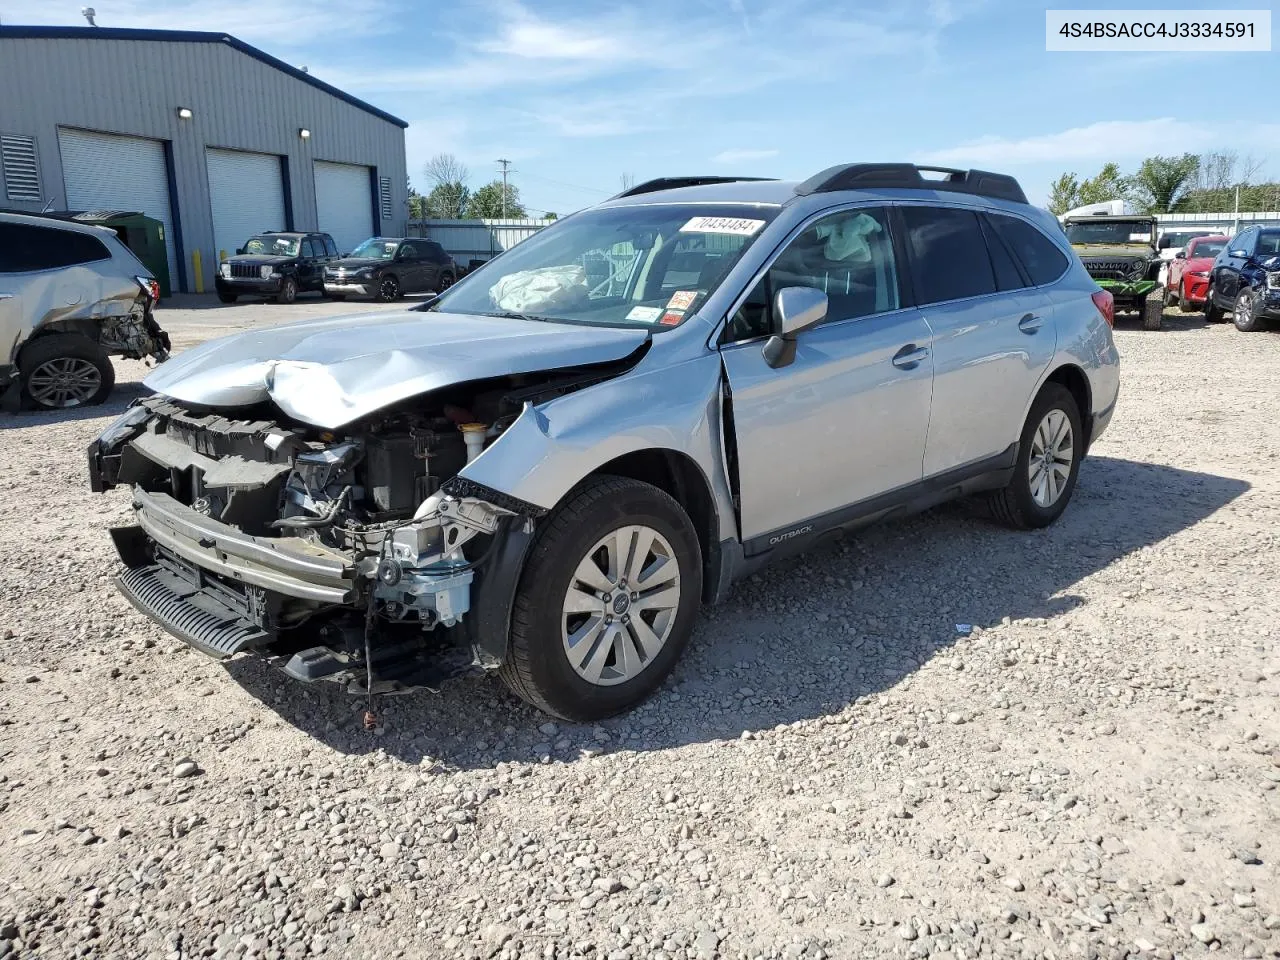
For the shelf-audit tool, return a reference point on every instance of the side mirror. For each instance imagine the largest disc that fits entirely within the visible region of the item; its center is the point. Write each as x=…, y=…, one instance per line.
x=239, y=251
x=797, y=309
x=1165, y=243
x=1180, y=255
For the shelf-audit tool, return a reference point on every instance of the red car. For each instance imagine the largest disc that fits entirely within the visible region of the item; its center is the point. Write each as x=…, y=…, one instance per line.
x=1188, y=280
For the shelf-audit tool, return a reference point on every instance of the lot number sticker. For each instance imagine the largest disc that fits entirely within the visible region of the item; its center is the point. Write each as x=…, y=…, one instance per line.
x=735, y=225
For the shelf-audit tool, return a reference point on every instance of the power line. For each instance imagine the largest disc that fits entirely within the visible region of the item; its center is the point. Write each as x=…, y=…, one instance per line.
x=571, y=186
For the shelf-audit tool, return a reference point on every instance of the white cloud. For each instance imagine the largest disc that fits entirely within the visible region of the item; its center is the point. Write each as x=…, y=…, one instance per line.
x=1098, y=142
x=742, y=156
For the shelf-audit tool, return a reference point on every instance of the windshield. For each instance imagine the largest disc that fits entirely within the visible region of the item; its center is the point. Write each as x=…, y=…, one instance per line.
x=1111, y=231
x=273, y=246
x=651, y=265
x=375, y=249
x=1206, y=248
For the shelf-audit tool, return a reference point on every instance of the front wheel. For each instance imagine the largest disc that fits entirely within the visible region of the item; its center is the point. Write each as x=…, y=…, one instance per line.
x=1153, y=311
x=1212, y=312
x=388, y=289
x=288, y=291
x=1245, y=315
x=606, y=602
x=1049, y=455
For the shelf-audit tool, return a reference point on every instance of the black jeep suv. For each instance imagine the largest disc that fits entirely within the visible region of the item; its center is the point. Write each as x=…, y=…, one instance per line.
x=276, y=264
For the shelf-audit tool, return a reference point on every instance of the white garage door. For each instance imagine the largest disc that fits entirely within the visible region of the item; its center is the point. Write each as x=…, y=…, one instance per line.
x=102, y=171
x=344, y=203
x=246, y=194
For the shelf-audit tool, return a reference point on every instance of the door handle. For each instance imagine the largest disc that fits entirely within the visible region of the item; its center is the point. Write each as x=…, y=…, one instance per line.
x=909, y=357
x=1030, y=323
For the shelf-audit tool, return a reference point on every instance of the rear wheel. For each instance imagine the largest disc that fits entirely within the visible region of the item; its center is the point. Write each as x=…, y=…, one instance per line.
x=446, y=281
x=288, y=291
x=1170, y=296
x=606, y=602
x=1049, y=454
x=64, y=370
x=388, y=289
x=1245, y=315
x=1153, y=311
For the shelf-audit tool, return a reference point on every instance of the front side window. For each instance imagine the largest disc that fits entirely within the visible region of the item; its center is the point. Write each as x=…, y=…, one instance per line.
x=307, y=249
x=847, y=255
x=949, y=259
x=272, y=246
x=375, y=249
x=636, y=265
x=330, y=249
x=25, y=248
x=1040, y=256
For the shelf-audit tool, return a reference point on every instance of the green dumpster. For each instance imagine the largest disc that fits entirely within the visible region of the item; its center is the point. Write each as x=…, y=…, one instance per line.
x=142, y=234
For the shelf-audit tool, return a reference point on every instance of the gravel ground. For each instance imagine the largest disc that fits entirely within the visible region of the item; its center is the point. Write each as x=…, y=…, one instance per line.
x=837, y=769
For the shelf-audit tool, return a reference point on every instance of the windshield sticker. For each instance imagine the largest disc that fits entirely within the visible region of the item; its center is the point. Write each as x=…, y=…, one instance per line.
x=671, y=318
x=1139, y=237
x=644, y=314
x=682, y=300
x=735, y=225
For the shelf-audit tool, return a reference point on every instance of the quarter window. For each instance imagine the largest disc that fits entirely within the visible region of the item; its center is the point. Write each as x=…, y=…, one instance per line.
x=1008, y=277
x=949, y=258
x=25, y=248
x=1039, y=255
x=847, y=255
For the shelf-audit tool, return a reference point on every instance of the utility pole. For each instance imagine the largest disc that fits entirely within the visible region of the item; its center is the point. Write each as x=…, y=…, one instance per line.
x=505, y=165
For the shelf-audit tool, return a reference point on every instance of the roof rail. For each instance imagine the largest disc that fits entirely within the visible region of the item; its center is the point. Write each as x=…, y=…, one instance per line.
x=671, y=183
x=871, y=176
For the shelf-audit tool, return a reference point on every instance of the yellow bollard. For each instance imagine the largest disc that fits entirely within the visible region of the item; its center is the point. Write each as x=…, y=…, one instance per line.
x=222, y=256
x=198, y=270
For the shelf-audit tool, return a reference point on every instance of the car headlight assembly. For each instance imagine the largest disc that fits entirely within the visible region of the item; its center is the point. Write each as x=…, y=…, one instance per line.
x=124, y=426
x=1273, y=280
x=265, y=272
x=365, y=272
x=1200, y=273
x=224, y=268
x=1138, y=272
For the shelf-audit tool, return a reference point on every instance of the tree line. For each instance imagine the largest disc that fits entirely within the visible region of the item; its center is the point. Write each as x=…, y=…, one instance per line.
x=450, y=197
x=1190, y=183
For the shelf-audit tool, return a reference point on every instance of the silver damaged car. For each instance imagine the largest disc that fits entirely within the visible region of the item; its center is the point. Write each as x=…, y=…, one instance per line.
x=547, y=468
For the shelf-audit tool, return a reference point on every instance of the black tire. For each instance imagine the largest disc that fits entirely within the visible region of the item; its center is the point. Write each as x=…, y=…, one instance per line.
x=68, y=348
x=1245, y=315
x=336, y=296
x=537, y=667
x=1153, y=311
x=1212, y=312
x=225, y=297
x=1014, y=505
x=447, y=280
x=1170, y=297
x=388, y=288
x=288, y=291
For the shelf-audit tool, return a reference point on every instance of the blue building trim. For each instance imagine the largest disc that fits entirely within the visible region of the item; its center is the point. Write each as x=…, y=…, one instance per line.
x=190, y=36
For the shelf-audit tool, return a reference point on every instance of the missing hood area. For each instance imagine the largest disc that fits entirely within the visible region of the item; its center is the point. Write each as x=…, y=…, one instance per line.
x=348, y=554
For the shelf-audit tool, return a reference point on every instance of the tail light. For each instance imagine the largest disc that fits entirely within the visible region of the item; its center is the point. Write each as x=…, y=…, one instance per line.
x=151, y=287
x=1106, y=305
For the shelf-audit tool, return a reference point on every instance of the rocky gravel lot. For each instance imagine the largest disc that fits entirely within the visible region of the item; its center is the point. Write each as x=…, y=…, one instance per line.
x=839, y=768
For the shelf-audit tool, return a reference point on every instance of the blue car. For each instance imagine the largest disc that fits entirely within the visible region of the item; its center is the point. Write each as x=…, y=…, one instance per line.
x=1245, y=280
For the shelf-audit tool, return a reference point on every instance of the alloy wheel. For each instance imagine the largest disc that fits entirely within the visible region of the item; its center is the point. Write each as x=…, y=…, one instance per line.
x=621, y=605
x=64, y=382
x=389, y=288
x=1052, y=454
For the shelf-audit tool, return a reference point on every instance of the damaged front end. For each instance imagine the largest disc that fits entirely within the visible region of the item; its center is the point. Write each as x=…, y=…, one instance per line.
x=352, y=556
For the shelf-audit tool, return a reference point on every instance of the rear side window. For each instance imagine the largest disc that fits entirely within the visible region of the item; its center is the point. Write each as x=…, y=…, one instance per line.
x=1008, y=276
x=949, y=258
x=1039, y=255
x=25, y=248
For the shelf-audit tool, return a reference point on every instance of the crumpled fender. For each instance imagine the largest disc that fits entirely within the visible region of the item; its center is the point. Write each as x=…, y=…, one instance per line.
x=553, y=446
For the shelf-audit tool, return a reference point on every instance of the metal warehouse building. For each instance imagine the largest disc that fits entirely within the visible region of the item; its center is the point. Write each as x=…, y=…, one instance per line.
x=201, y=131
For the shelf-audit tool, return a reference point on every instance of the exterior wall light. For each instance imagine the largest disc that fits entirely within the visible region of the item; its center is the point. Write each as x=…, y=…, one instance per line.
x=184, y=113
x=304, y=133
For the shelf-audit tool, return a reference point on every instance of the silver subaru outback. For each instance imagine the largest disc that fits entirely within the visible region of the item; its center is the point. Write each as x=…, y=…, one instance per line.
x=547, y=468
